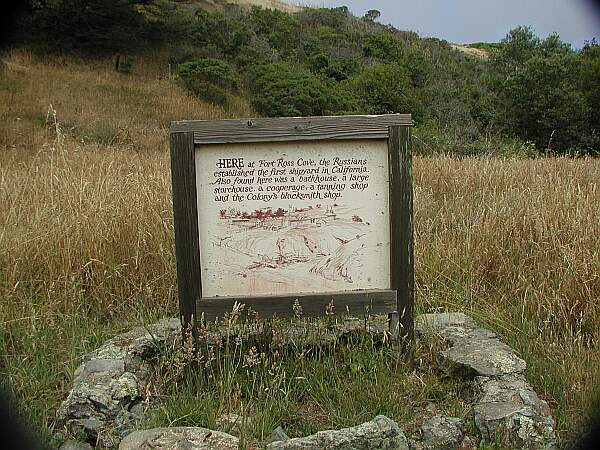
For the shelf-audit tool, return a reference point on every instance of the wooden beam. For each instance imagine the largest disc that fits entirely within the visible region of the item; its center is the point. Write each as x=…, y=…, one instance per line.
x=185, y=216
x=355, y=303
x=290, y=128
x=401, y=234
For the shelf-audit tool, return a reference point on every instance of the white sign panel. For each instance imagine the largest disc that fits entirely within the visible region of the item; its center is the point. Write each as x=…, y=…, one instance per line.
x=297, y=217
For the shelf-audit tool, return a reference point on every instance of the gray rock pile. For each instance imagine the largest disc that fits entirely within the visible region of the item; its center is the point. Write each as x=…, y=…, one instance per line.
x=109, y=396
x=507, y=409
x=109, y=387
x=179, y=438
x=381, y=433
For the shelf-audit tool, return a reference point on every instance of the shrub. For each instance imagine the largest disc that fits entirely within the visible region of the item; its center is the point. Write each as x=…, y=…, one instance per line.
x=385, y=89
x=286, y=89
x=342, y=68
x=278, y=27
x=222, y=33
x=383, y=46
x=208, y=78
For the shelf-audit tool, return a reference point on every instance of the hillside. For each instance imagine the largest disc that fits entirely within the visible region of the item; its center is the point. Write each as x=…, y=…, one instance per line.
x=289, y=61
x=469, y=50
x=86, y=248
x=219, y=5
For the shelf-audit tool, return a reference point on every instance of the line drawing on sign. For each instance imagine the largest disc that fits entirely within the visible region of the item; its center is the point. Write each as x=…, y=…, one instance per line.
x=273, y=245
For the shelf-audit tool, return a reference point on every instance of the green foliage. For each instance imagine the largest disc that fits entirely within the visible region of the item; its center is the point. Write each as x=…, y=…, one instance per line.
x=372, y=14
x=208, y=78
x=279, y=28
x=383, y=46
x=286, y=89
x=589, y=82
x=334, y=18
x=545, y=92
x=342, y=68
x=386, y=88
x=221, y=35
x=327, y=61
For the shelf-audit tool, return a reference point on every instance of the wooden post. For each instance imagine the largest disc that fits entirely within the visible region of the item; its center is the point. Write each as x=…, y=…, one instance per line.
x=401, y=237
x=185, y=217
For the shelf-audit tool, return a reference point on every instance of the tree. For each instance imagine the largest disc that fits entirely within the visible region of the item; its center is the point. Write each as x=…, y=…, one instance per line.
x=372, y=15
x=208, y=78
x=589, y=82
x=386, y=89
x=540, y=93
x=287, y=89
x=540, y=103
x=383, y=46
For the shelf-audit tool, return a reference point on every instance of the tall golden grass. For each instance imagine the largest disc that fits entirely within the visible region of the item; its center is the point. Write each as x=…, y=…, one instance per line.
x=86, y=237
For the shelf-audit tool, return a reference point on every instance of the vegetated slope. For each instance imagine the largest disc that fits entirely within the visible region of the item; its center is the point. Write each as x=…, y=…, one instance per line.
x=219, y=5
x=86, y=247
x=478, y=52
x=322, y=61
x=537, y=93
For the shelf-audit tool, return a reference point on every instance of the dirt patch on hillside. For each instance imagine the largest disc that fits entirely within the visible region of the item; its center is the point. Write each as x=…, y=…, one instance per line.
x=217, y=5
x=479, y=53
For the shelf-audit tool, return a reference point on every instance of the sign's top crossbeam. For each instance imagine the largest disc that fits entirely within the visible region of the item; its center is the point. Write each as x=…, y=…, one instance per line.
x=290, y=128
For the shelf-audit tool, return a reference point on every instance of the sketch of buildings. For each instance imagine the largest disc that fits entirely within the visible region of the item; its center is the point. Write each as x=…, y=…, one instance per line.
x=315, y=242
x=292, y=217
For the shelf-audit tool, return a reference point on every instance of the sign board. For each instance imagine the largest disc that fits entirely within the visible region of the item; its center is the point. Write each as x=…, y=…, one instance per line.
x=315, y=211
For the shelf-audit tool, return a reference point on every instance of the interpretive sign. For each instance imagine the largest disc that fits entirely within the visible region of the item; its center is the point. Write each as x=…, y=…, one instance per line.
x=313, y=211
x=294, y=217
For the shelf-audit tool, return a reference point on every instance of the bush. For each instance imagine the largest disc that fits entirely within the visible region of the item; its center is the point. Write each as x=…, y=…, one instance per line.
x=286, y=89
x=342, y=68
x=539, y=99
x=386, y=89
x=278, y=27
x=208, y=78
x=225, y=35
x=383, y=46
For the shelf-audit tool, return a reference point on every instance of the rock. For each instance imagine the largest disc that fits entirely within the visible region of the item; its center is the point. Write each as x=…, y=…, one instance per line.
x=443, y=321
x=276, y=435
x=75, y=445
x=510, y=411
x=232, y=423
x=473, y=350
x=109, y=387
x=381, y=433
x=485, y=357
x=179, y=438
x=441, y=433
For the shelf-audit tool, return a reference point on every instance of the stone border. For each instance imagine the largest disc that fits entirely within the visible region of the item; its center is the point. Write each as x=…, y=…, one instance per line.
x=507, y=410
x=109, y=397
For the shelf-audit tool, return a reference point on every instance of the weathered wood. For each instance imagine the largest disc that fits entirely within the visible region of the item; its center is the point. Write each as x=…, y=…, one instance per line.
x=185, y=216
x=312, y=305
x=401, y=230
x=396, y=301
x=290, y=128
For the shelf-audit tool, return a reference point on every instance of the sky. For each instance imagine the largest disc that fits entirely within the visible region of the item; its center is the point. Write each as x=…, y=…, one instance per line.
x=467, y=21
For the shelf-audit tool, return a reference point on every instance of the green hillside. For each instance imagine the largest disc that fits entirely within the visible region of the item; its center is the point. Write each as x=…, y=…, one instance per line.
x=524, y=95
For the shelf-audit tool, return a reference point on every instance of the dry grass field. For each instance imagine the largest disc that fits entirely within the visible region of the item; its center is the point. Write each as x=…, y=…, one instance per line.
x=86, y=236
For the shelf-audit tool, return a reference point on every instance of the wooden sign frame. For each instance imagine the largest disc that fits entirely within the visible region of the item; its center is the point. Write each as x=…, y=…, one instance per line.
x=397, y=301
